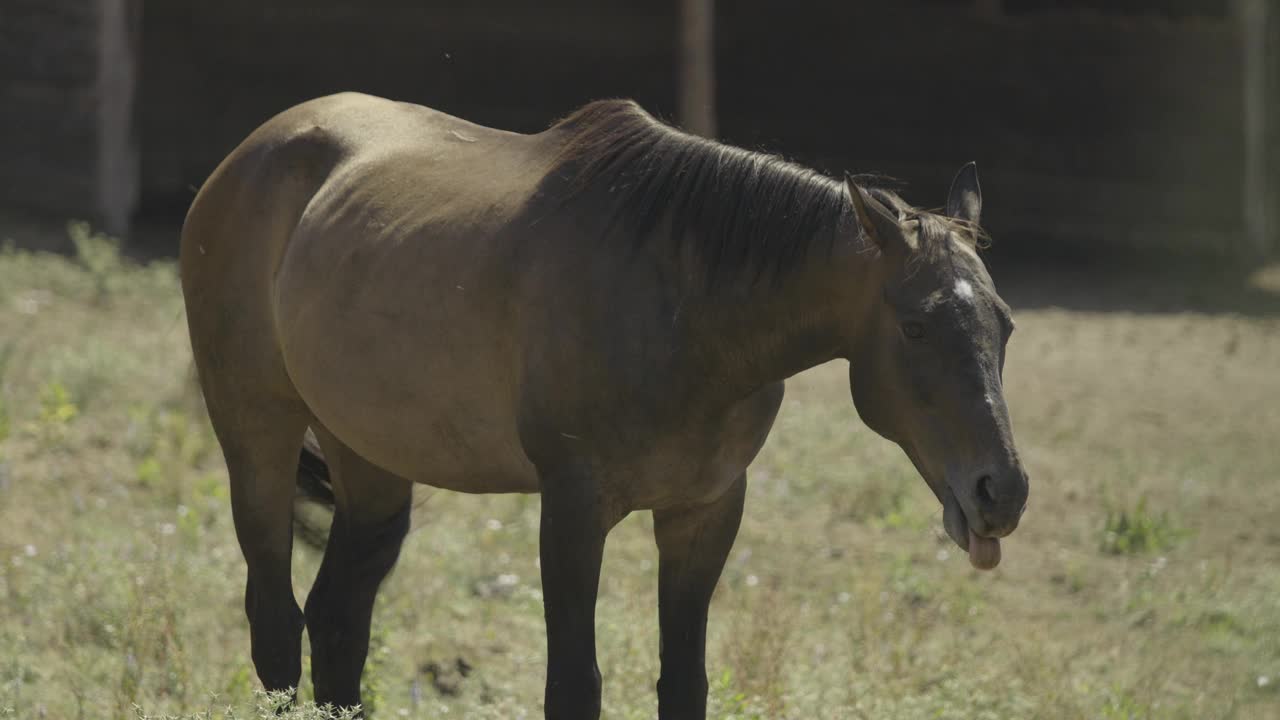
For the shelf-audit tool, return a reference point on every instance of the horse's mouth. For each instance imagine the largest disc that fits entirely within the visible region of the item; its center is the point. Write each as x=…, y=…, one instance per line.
x=984, y=552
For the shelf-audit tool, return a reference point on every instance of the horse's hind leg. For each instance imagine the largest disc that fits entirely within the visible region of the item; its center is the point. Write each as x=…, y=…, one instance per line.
x=260, y=439
x=371, y=518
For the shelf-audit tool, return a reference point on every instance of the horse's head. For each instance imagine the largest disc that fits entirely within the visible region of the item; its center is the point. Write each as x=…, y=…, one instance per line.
x=925, y=369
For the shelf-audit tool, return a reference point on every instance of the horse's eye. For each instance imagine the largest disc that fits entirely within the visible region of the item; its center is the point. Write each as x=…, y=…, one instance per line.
x=913, y=330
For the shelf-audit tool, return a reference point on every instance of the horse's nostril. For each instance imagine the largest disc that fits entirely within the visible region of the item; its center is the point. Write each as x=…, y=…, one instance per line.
x=986, y=493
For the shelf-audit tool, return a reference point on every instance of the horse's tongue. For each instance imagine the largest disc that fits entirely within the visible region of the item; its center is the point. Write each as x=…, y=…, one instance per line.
x=984, y=553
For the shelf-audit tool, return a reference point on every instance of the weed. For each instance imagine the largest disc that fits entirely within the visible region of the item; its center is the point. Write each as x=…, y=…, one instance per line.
x=1132, y=531
x=56, y=407
x=99, y=255
x=4, y=420
x=57, y=411
x=266, y=705
x=1123, y=706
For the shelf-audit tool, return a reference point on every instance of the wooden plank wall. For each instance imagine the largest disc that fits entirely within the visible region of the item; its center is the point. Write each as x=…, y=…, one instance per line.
x=214, y=71
x=67, y=79
x=1089, y=127
x=48, y=104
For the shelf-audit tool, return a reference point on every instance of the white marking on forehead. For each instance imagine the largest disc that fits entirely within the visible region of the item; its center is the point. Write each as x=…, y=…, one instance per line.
x=964, y=290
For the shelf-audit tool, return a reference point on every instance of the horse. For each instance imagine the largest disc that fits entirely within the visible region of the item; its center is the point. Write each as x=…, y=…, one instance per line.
x=604, y=313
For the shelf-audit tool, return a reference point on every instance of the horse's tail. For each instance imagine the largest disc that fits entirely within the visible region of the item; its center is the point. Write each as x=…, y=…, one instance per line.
x=314, y=483
x=315, y=487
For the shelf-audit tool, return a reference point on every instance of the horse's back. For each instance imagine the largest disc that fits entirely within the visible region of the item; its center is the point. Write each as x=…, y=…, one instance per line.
x=379, y=160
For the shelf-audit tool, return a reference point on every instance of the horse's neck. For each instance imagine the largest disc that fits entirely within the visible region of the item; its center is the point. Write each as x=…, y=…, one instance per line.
x=753, y=336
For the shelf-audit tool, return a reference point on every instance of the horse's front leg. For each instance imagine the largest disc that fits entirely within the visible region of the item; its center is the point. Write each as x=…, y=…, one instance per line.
x=693, y=544
x=575, y=520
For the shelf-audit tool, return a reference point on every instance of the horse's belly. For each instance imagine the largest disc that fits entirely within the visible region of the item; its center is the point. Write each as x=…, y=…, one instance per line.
x=433, y=440
x=445, y=453
x=455, y=437
x=414, y=392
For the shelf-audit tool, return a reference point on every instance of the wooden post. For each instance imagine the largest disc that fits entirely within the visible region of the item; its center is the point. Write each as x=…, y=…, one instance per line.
x=116, y=182
x=697, y=67
x=1257, y=193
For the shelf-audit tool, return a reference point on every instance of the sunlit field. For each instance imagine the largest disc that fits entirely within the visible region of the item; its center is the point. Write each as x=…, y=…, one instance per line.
x=1144, y=581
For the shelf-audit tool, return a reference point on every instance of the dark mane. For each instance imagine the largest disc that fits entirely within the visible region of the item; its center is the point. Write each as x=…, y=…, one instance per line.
x=750, y=212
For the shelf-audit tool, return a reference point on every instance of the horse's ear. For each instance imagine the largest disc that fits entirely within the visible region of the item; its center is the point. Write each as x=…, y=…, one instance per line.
x=964, y=202
x=878, y=223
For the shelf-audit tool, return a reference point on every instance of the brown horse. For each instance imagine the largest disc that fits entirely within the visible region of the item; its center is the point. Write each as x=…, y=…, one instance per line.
x=603, y=313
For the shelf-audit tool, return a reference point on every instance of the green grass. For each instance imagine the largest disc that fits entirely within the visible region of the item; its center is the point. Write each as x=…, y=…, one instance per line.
x=121, y=583
x=1135, y=530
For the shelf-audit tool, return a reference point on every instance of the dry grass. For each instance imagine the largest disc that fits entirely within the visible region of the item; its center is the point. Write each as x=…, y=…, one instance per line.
x=1144, y=582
